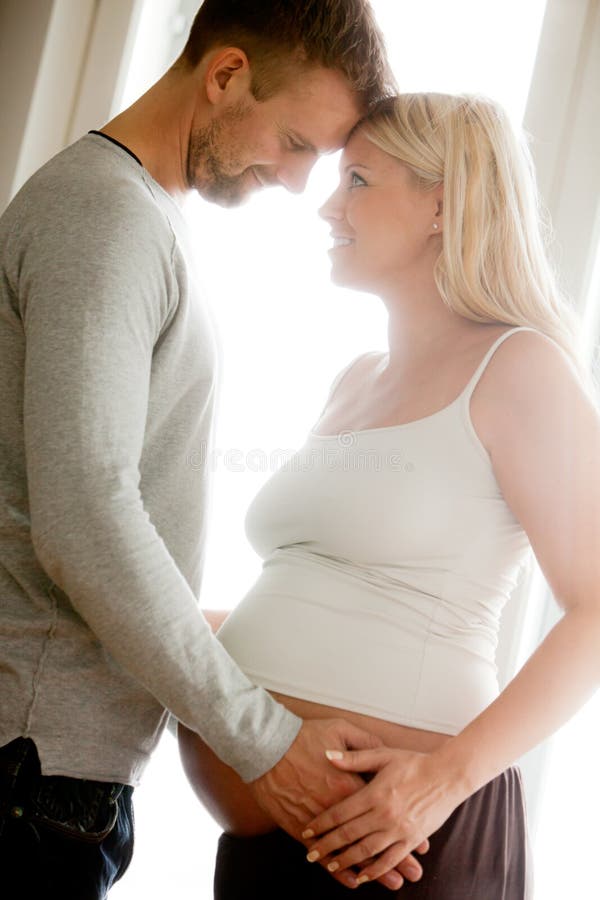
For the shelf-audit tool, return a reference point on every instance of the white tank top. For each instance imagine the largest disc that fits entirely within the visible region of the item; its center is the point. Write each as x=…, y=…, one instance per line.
x=388, y=556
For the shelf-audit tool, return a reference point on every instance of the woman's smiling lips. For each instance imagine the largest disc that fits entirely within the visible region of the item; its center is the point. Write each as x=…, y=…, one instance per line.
x=341, y=240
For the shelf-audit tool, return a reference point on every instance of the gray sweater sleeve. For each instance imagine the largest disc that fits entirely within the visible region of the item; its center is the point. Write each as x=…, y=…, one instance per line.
x=97, y=287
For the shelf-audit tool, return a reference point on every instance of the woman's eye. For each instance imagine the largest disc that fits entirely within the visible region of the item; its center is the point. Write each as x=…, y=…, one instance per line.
x=356, y=180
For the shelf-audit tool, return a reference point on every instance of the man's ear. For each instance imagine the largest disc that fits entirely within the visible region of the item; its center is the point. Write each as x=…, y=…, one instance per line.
x=227, y=76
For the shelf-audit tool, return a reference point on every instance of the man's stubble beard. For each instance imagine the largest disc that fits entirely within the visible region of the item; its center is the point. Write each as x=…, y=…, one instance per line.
x=210, y=160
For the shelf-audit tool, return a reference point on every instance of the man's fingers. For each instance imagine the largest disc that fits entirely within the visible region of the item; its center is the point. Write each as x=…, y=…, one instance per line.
x=347, y=878
x=385, y=862
x=350, y=808
x=356, y=738
x=410, y=868
x=392, y=880
x=368, y=760
x=313, y=808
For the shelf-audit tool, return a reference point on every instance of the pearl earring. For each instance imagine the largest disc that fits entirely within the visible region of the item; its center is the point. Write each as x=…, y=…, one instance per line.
x=436, y=226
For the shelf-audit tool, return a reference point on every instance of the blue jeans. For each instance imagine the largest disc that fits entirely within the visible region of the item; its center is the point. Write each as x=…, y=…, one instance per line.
x=64, y=838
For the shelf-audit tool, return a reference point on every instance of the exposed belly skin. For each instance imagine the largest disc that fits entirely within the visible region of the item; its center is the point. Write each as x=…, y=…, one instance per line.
x=230, y=801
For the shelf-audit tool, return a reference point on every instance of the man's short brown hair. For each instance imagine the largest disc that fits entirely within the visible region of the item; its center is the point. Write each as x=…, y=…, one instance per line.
x=281, y=37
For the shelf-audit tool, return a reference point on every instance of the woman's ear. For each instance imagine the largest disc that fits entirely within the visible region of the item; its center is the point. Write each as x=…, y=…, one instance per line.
x=438, y=219
x=227, y=76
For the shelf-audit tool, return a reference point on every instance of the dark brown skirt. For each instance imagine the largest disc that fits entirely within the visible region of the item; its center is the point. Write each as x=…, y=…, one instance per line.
x=480, y=853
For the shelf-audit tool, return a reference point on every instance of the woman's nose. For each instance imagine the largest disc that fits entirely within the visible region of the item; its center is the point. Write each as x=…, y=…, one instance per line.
x=331, y=209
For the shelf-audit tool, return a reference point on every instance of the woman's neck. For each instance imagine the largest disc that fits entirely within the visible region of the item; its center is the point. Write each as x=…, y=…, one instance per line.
x=420, y=324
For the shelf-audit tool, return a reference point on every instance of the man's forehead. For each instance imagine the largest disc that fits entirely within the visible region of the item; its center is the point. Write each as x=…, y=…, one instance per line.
x=327, y=141
x=322, y=127
x=324, y=88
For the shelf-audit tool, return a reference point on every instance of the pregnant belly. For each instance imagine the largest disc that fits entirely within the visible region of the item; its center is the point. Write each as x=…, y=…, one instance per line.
x=230, y=801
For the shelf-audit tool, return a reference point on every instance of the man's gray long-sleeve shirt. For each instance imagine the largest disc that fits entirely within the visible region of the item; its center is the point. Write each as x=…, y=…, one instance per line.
x=107, y=374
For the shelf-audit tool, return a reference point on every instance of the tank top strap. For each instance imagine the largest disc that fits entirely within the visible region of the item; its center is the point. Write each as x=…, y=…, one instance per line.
x=472, y=384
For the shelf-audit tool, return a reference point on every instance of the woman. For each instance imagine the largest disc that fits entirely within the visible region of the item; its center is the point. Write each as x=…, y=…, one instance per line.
x=393, y=539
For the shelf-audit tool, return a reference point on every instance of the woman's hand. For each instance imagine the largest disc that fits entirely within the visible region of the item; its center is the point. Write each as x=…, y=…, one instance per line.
x=303, y=783
x=410, y=797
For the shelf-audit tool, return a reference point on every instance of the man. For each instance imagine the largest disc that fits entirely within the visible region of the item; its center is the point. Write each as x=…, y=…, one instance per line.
x=107, y=373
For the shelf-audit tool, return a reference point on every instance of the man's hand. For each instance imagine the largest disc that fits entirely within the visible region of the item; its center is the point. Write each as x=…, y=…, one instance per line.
x=303, y=784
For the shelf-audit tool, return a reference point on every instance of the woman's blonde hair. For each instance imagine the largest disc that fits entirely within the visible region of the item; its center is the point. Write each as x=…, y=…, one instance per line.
x=493, y=266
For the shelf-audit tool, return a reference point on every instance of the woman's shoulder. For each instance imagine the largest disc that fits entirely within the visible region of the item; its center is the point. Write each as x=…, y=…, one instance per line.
x=525, y=361
x=528, y=378
x=356, y=368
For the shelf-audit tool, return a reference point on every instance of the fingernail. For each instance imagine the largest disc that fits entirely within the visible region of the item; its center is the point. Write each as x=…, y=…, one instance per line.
x=308, y=834
x=413, y=872
x=333, y=866
x=334, y=754
x=313, y=856
x=362, y=879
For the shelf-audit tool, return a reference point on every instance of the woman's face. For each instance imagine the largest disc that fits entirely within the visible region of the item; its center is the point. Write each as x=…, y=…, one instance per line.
x=386, y=229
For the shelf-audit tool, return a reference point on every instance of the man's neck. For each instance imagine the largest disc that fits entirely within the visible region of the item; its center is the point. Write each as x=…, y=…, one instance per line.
x=156, y=129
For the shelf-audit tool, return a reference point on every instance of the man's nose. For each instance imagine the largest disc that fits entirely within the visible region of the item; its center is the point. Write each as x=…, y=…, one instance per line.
x=293, y=174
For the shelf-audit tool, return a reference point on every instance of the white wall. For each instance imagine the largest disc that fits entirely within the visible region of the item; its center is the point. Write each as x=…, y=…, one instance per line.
x=62, y=65
x=563, y=119
x=23, y=27
x=563, y=116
